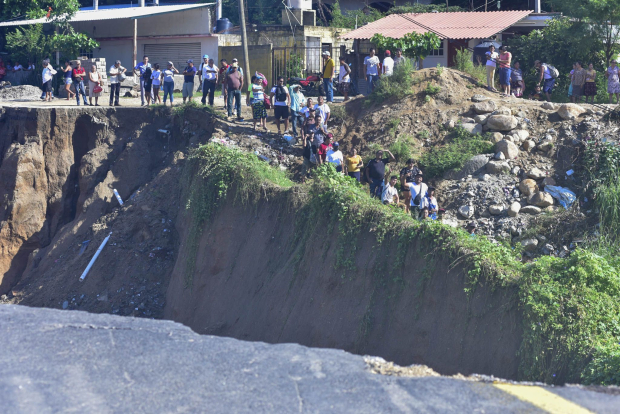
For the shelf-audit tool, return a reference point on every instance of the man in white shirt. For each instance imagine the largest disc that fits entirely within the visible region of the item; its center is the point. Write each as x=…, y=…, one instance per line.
x=281, y=103
x=115, y=83
x=390, y=193
x=334, y=156
x=17, y=67
x=417, y=190
x=209, y=75
x=371, y=63
x=323, y=109
x=492, y=57
x=305, y=111
x=388, y=64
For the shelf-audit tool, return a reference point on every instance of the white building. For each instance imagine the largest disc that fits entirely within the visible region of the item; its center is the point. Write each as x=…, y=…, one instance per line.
x=163, y=33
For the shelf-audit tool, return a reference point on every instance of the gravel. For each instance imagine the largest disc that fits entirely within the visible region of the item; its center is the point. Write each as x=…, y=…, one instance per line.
x=21, y=92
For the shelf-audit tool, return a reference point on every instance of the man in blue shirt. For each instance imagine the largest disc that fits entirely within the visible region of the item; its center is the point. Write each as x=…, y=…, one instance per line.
x=188, y=84
x=139, y=70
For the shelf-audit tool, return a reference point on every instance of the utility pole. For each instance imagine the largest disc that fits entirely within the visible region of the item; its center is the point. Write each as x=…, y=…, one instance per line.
x=244, y=42
x=485, y=4
x=447, y=7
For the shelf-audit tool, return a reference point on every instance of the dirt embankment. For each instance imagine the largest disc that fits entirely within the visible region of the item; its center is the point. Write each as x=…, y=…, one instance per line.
x=253, y=280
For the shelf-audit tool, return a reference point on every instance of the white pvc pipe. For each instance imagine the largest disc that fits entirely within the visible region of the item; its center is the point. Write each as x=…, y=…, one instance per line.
x=92, y=261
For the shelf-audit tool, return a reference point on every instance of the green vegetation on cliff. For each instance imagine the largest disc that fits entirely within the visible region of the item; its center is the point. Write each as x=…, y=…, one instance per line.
x=570, y=307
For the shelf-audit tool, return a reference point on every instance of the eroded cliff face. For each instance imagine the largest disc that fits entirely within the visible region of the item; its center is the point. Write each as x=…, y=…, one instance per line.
x=59, y=166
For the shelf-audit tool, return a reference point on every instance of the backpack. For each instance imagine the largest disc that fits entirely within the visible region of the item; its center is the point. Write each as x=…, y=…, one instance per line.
x=552, y=70
x=280, y=93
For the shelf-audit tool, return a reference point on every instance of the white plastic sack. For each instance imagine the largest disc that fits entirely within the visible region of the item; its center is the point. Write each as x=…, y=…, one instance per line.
x=565, y=196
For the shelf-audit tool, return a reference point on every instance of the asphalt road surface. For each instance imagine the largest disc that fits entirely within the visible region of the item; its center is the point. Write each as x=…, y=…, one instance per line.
x=70, y=361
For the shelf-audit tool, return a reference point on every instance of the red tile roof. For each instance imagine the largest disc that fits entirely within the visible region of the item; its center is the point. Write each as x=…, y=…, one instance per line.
x=457, y=25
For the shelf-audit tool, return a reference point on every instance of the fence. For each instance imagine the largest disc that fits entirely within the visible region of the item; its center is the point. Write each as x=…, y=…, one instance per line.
x=300, y=61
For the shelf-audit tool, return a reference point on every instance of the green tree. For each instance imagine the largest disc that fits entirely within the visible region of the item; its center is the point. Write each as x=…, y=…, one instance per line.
x=413, y=45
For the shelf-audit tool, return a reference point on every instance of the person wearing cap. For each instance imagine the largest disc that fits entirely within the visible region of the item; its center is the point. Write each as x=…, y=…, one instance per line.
x=344, y=78
x=222, y=79
x=208, y=76
x=281, y=103
x=429, y=202
x=388, y=64
x=371, y=63
x=298, y=100
x=418, y=190
x=188, y=80
x=78, y=81
x=334, y=156
x=390, y=193
x=115, y=84
x=139, y=71
x=399, y=59
x=407, y=175
x=239, y=68
x=168, y=77
x=234, y=82
x=328, y=76
x=375, y=172
x=613, y=81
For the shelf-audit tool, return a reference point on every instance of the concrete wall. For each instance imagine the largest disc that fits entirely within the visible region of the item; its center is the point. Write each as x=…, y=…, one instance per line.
x=260, y=58
x=282, y=36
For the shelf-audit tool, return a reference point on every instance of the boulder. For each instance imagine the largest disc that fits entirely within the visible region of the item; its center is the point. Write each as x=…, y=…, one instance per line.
x=529, y=245
x=498, y=167
x=500, y=156
x=479, y=98
x=530, y=210
x=545, y=146
x=548, y=105
x=484, y=107
x=541, y=199
x=502, y=122
x=510, y=150
x=520, y=135
x=570, y=111
x=496, y=137
x=449, y=124
x=467, y=120
x=475, y=129
x=481, y=119
x=496, y=209
x=548, y=181
x=529, y=145
x=513, y=210
x=536, y=173
x=502, y=110
x=528, y=187
x=474, y=166
x=466, y=211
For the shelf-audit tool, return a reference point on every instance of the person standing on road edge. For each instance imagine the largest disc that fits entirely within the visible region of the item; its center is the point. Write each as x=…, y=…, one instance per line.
x=281, y=103
x=94, y=80
x=375, y=172
x=388, y=64
x=491, y=65
x=115, y=84
x=188, y=80
x=47, y=75
x=78, y=81
x=259, y=113
x=168, y=78
x=505, y=59
x=234, y=81
x=371, y=63
x=298, y=100
x=578, y=80
x=328, y=76
x=223, y=71
x=209, y=76
x=613, y=81
x=344, y=78
x=68, y=73
x=156, y=79
x=141, y=67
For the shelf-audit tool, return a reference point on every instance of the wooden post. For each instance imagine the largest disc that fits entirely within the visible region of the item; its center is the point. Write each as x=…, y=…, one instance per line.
x=244, y=41
x=135, y=45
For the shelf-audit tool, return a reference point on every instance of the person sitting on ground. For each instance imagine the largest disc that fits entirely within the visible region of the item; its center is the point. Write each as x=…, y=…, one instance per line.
x=354, y=165
x=259, y=113
x=390, y=193
x=516, y=80
x=323, y=149
x=546, y=78
x=429, y=202
x=417, y=191
x=407, y=175
x=375, y=172
x=589, y=89
x=148, y=84
x=579, y=79
x=323, y=109
x=344, y=78
x=536, y=94
x=334, y=156
x=281, y=104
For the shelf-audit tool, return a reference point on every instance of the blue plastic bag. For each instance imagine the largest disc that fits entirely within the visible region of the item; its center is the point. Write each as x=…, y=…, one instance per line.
x=565, y=196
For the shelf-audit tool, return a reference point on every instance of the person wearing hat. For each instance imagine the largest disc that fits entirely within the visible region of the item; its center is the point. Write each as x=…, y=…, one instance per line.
x=418, y=190
x=375, y=173
x=234, y=82
x=328, y=76
x=168, y=78
x=429, y=202
x=115, y=83
x=239, y=69
x=390, y=193
x=188, y=80
x=208, y=76
x=388, y=64
x=334, y=156
x=139, y=71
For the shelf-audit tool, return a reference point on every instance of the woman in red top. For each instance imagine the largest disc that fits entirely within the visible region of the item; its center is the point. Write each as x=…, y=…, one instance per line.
x=504, y=70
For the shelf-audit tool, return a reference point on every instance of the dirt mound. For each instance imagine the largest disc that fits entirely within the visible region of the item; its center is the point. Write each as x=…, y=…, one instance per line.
x=20, y=93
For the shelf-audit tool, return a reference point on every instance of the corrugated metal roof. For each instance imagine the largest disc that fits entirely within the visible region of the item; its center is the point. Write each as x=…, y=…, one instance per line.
x=454, y=25
x=117, y=13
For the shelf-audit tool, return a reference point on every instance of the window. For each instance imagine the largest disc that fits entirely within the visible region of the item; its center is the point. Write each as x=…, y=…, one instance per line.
x=438, y=52
x=88, y=54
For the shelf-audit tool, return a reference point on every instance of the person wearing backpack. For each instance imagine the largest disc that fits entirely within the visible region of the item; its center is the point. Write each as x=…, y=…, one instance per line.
x=547, y=77
x=281, y=103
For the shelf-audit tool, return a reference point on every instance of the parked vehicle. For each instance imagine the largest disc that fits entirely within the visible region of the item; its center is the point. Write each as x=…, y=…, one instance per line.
x=311, y=85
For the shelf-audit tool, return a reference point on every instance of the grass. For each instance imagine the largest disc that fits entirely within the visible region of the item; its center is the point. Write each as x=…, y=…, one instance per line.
x=338, y=112
x=392, y=126
x=397, y=86
x=432, y=89
x=401, y=148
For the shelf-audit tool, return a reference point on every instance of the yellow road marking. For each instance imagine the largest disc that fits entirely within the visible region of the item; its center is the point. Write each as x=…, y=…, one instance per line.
x=543, y=399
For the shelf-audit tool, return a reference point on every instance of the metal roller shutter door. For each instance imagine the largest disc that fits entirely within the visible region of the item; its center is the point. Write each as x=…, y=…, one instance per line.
x=178, y=53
